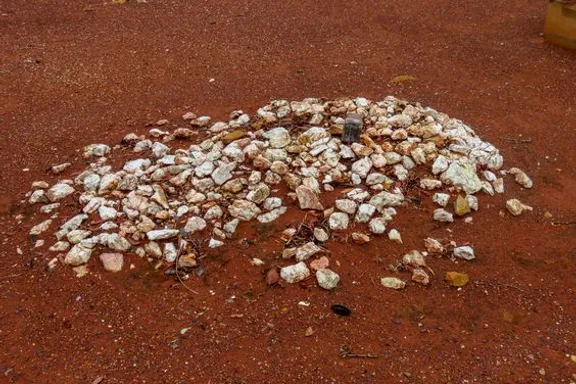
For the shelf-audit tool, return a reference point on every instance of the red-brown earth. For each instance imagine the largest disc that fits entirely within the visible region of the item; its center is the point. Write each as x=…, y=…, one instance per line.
x=73, y=73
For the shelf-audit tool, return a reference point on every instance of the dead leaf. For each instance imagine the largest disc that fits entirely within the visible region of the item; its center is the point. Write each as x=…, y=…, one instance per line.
x=98, y=380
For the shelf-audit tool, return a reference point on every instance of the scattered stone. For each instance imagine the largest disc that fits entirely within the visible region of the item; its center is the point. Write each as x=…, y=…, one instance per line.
x=420, y=276
x=443, y=216
x=320, y=263
x=433, y=246
x=321, y=235
x=42, y=227
x=392, y=282
x=272, y=277
x=59, y=192
x=395, y=236
x=441, y=199
x=338, y=221
x=464, y=252
x=360, y=238
x=295, y=273
x=377, y=226
x=515, y=207
x=327, y=278
x=162, y=234
x=112, y=262
x=521, y=178
x=306, y=251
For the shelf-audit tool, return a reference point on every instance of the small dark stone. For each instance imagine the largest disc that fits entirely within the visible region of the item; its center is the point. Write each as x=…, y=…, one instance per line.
x=340, y=310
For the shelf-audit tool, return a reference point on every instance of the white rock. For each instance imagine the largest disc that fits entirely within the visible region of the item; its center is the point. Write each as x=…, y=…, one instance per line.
x=385, y=198
x=443, y=216
x=258, y=194
x=306, y=251
x=346, y=205
x=213, y=243
x=392, y=282
x=272, y=203
x=115, y=241
x=338, y=221
x=521, y=177
x=170, y=252
x=272, y=215
x=112, y=262
x=321, y=235
x=400, y=172
x=231, y=226
x=162, y=234
x=377, y=226
x=223, y=173
x=327, y=278
x=153, y=249
x=243, y=209
x=295, y=273
x=430, y=184
x=465, y=252
x=195, y=224
x=395, y=236
x=440, y=165
x=441, y=199
x=278, y=137
x=433, y=246
x=515, y=207
x=79, y=254
x=365, y=212
x=462, y=174
x=42, y=227
x=159, y=149
x=205, y=169
x=38, y=196
x=107, y=213
x=362, y=167
x=77, y=235
x=59, y=192
x=97, y=150
x=60, y=246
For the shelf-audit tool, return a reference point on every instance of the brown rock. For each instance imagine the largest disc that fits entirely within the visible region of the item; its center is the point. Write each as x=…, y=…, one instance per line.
x=272, y=277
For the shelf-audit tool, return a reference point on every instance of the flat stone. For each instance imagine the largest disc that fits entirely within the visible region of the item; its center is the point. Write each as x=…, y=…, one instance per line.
x=112, y=262
x=162, y=234
x=59, y=192
x=320, y=263
x=42, y=227
x=516, y=208
x=243, y=209
x=194, y=224
x=443, y=216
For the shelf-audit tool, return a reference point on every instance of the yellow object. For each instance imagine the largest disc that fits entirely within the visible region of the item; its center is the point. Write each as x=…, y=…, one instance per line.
x=560, y=27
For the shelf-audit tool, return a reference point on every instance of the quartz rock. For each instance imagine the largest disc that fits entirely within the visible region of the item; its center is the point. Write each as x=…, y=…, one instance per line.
x=295, y=273
x=346, y=205
x=306, y=251
x=464, y=252
x=59, y=192
x=515, y=207
x=395, y=236
x=195, y=224
x=462, y=174
x=327, y=278
x=441, y=199
x=443, y=216
x=307, y=198
x=112, y=262
x=365, y=212
x=162, y=234
x=243, y=209
x=521, y=177
x=377, y=226
x=392, y=282
x=338, y=221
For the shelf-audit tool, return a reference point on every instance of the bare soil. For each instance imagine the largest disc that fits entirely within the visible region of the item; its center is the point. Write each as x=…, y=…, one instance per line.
x=77, y=72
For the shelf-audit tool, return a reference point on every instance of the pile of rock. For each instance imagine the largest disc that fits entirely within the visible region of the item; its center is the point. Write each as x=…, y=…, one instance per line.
x=253, y=168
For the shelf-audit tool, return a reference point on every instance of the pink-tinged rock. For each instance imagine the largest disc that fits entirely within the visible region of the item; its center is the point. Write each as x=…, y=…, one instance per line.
x=321, y=263
x=307, y=198
x=112, y=262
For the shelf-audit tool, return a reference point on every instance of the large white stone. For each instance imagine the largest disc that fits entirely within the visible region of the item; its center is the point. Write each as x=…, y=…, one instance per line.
x=338, y=221
x=295, y=273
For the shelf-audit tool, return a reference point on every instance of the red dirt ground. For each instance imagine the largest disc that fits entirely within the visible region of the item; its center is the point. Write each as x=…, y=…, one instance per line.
x=77, y=72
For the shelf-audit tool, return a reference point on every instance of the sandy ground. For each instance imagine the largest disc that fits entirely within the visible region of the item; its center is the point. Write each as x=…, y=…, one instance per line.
x=73, y=73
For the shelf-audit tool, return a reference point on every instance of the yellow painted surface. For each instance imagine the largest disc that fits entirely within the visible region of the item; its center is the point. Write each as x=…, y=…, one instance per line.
x=560, y=27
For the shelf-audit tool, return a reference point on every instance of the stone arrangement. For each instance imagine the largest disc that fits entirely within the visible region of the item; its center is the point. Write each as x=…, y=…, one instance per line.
x=206, y=180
